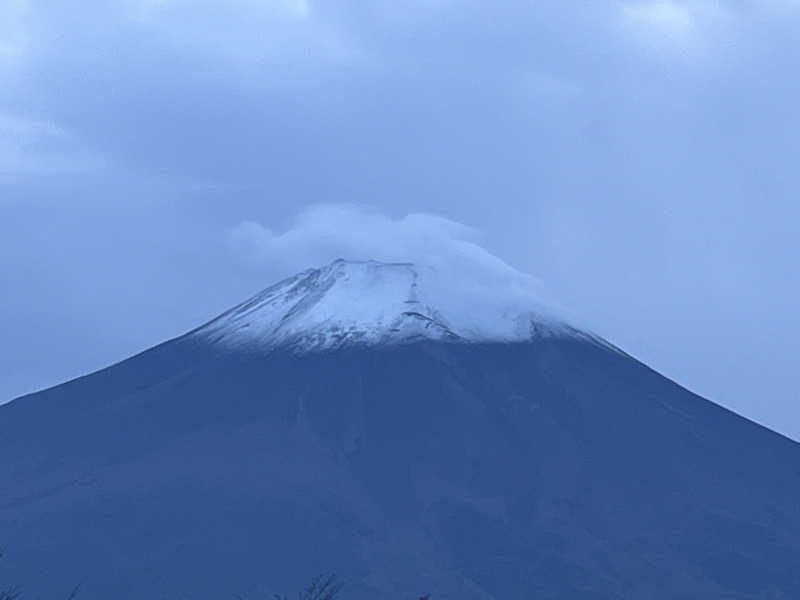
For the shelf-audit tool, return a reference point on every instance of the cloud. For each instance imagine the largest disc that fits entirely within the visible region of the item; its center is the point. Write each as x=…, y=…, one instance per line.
x=155, y=9
x=542, y=86
x=23, y=128
x=662, y=17
x=675, y=25
x=29, y=145
x=244, y=33
x=323, y=233
x=787, y=6
x=13, y=33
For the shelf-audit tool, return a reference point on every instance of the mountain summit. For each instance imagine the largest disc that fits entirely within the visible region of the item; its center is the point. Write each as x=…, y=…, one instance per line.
x=373, y=420
x=370, y=302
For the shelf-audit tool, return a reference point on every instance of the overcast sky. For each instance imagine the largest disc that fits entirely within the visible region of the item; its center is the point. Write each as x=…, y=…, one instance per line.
x=160, y=160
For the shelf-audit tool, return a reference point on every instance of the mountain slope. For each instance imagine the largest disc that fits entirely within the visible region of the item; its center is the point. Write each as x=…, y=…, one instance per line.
x=550, y=467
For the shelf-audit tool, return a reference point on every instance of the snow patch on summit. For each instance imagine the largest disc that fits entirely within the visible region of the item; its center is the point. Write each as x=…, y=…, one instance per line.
x=374, y=303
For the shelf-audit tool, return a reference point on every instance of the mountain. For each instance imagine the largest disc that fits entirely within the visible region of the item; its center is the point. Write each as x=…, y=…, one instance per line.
x=414, y=437
x=374, y=303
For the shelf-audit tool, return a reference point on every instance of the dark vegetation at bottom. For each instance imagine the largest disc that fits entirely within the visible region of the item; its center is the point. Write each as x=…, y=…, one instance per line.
x=321, y=587
x=8, y=593
x=15, y=593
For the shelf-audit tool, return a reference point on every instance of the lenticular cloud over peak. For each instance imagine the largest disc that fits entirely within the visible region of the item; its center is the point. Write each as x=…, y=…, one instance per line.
x=322, y=233
x=447, y=248
x=420, y=275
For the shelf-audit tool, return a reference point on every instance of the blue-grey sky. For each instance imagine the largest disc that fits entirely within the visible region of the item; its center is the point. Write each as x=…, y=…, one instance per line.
x=160, y=160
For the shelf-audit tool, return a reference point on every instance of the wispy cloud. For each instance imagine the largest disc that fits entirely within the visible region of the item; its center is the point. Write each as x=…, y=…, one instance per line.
x=663, y=17
x=675, y=26
x=322, y=233
x=13, y=34
x=243, y=33
x=29, y=145
x=155, y=9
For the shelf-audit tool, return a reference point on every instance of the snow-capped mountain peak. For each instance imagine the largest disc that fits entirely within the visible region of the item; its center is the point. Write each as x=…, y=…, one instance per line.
x=370, y=302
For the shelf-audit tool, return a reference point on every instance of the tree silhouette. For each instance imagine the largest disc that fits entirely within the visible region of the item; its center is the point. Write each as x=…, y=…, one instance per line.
x=322, y=587
x=10, y=593
x=13, y=593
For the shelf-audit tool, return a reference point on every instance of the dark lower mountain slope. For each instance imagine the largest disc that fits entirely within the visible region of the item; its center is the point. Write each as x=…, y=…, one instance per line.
x=551, y=469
